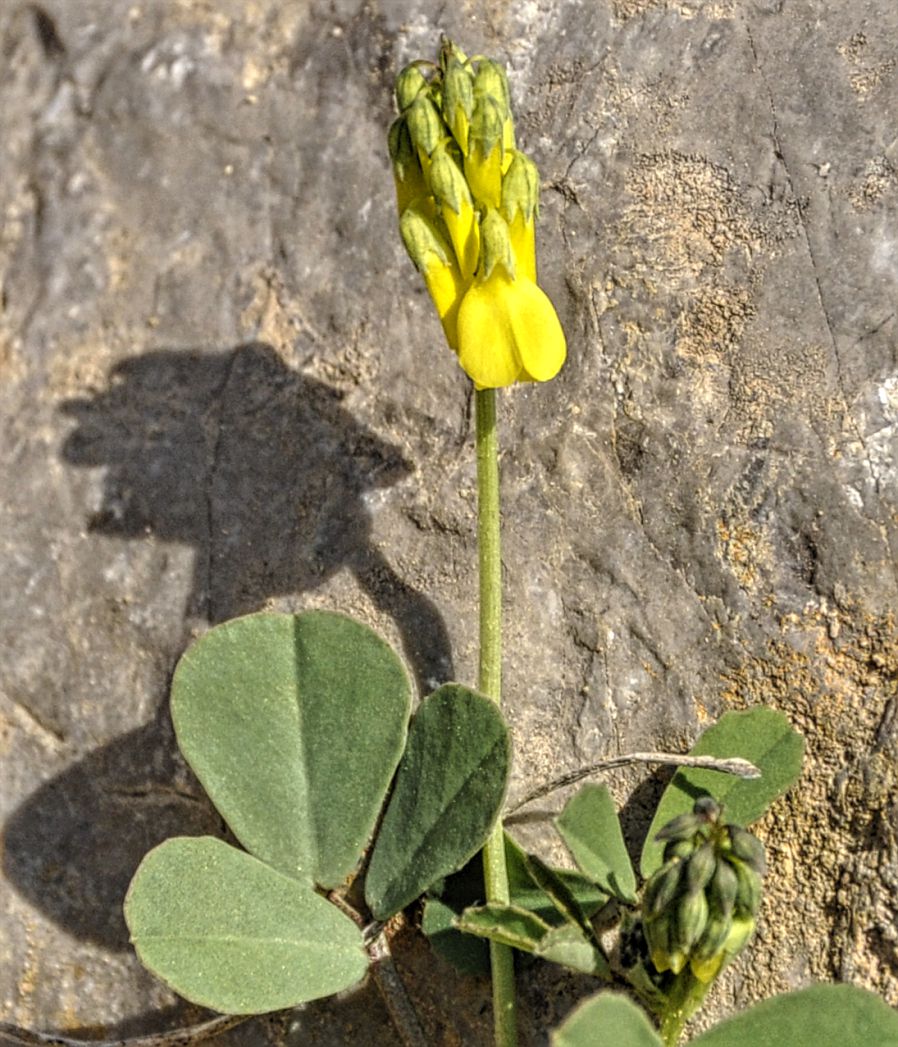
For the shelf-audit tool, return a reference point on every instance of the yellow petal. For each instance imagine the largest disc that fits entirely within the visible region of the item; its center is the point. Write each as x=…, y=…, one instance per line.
x=446, y=289
x=507, y=332
x=523, y=243
x=484, y=174
x=465, y=235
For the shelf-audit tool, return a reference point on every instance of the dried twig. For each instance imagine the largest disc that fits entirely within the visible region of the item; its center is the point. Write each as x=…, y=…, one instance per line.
x=734, y=765
x=185, y=1037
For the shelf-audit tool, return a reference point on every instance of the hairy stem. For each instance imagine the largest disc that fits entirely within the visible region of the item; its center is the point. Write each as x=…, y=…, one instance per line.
x=490, y=684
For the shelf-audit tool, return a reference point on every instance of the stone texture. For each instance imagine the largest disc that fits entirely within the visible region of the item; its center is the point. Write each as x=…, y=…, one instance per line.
x=222, y=389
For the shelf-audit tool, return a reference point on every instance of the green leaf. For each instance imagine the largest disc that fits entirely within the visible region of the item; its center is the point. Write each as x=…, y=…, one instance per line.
x=590, y=827
x=821, y=1016
x=294, y=724
x=761, y=735
x=559, y=894
x=469, y=954
x=230, y=933
x=448, y=793
x=608, y=1020
x=569, y=947
x=527, y=895
x=505, y=924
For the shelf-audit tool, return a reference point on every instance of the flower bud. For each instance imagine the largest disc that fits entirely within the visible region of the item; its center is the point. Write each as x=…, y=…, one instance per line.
x=424, y=124
x=683, y=827
x=722, y=889
x=691, y=918
x=491, y=81
x=495, y=245
x=748, y=890
x=520, y=189
x=450, y=190
x=483, y=159
x=747, y=848
x=662, y=888
x=409, y=84
x=458, y=100
x=407, y=171
x=427, y=242
x=700, y=868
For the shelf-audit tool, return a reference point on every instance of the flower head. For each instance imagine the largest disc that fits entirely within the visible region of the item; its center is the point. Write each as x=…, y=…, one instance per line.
x=468, y=201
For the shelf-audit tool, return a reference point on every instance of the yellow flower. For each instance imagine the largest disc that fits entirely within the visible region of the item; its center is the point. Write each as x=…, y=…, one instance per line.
x=508, y=332
x=468, y=203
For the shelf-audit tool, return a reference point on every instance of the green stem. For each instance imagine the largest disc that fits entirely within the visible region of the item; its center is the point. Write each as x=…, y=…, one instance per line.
x=685, y=999
x=490, y=683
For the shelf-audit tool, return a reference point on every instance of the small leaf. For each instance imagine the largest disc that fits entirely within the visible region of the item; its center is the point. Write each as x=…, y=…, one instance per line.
x=607, y=1020
x=527, y=895
x=469, y=954
x=761, y=735
x=568, y=947
x=294, y=724
x=820, y=1016
x=590, y=827
x=230, y=933
x=448, y=793
x=505, y=924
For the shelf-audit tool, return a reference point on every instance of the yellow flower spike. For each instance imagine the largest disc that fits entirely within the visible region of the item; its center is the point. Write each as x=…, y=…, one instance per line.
x=427, y=243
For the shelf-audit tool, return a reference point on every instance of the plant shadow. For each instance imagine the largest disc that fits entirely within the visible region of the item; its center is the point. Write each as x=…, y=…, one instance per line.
x=264, y=474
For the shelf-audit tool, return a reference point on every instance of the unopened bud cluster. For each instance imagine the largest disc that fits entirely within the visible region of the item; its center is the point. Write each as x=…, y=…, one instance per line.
x=700, y=907
x=468, y=201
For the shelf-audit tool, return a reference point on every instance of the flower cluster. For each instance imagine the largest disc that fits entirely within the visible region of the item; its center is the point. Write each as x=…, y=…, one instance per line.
x=700, y=907
x=468, y=204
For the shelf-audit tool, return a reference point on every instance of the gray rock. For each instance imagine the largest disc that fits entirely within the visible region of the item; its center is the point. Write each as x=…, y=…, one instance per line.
x=222, y=389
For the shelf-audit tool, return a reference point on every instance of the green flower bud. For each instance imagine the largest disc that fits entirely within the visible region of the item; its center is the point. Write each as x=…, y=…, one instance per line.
x=657, y=936
x=683, y=827
x=700, y=868
x=447, y=180
x=678, y=849
x=520, y=189
x=662, y=887
x=487, y=123
x=409, y=84
x=458, y=100
x=691, y=918
x=426, y=238
x=495, y=245
x=707, y=808
x=747, y=848
x=740, y=932
x=722, y=889
x=709, y=955
x=424, y=124
x=748, y=890
x=491, y=82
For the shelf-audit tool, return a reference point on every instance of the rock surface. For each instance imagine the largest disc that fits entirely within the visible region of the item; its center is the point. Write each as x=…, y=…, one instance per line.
x=222, y=389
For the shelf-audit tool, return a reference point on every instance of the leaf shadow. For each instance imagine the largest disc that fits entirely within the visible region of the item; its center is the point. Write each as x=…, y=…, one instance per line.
x=264, y=473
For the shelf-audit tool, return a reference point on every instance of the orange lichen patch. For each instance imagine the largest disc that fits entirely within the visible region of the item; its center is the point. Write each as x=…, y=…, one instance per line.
x=769, y=376
x=741, y=547
x=832, y=892
x=624, y=9
x=686, y=214
x=869, y=68
x=713, y=320
x=880, y=177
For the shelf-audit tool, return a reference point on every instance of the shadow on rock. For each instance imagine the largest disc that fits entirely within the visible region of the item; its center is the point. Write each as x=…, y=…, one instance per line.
x=264, y=473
